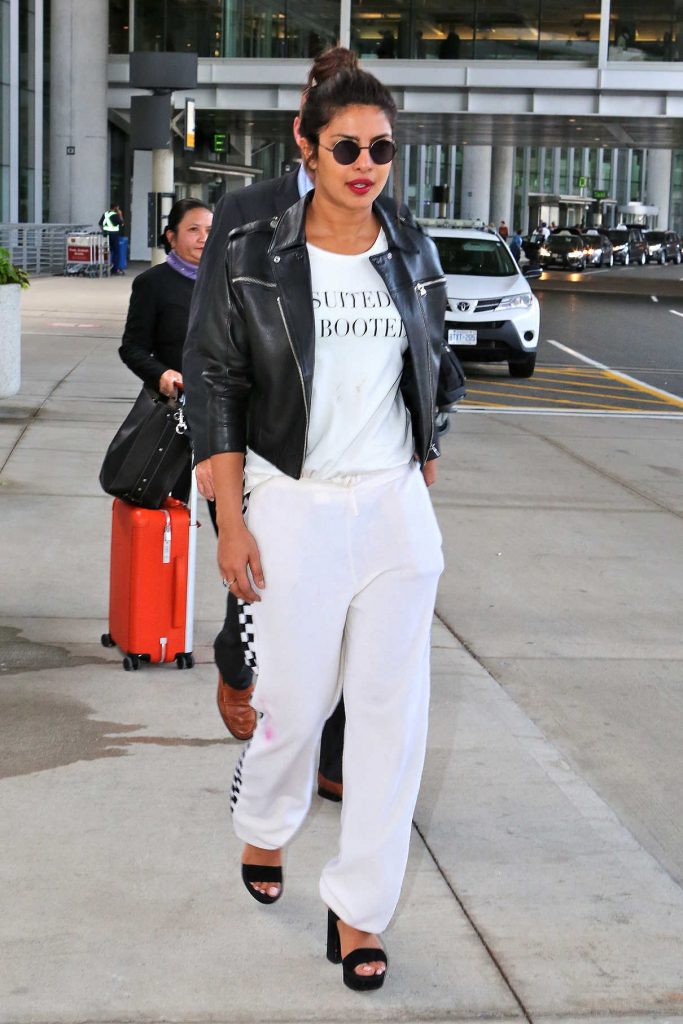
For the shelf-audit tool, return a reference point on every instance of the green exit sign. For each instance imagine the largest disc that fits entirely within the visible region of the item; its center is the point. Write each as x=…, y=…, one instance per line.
x=583, y=182
x=599, y=193
x=219, y=142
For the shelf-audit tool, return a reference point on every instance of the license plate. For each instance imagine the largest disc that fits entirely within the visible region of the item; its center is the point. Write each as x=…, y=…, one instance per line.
x=462, y=337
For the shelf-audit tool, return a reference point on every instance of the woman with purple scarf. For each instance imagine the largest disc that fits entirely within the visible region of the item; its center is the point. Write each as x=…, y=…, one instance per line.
x=153, y=339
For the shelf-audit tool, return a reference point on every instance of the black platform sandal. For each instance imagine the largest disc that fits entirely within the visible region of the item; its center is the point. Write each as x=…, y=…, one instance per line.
x=262, y=873
x=364, y=955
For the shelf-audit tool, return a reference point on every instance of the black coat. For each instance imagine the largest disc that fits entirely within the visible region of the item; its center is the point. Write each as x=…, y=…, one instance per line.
x=260, y=371
x=156, y=325
x=209, y=307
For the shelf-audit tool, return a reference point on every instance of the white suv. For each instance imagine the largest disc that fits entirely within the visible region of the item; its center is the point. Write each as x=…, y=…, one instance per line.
x=493, y=316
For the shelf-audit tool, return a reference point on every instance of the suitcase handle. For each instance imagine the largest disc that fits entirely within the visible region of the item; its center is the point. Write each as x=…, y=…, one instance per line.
x=179, y=591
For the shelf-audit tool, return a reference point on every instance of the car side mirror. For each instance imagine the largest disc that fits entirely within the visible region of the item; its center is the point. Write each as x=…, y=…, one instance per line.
x=531, y=273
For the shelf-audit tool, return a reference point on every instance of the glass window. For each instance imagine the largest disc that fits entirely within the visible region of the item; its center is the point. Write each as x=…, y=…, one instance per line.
x=477, y=257
x=118, y=26
x=646, y=31
x=237, y=28
x=479, y=29
x=676, y=209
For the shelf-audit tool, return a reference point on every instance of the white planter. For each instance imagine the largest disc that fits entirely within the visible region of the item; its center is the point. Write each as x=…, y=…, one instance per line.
x=10, y=339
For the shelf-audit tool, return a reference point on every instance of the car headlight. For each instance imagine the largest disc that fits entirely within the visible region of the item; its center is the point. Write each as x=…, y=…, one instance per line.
x=590, y=252
x=620, y=248
x=654, y=248
x=543, y=251
x=521, y=301
x=575, y=254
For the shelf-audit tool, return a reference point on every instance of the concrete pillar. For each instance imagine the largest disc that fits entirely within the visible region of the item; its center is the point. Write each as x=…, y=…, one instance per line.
x=162, y=181
x=78, y=111
x=476, y=183
x=142, y=186
x=502, y=176
x=13, y=118
x=658, y=187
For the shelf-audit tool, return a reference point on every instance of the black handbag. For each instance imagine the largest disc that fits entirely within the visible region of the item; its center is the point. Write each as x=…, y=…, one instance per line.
x=149, y=453
x=451, y=386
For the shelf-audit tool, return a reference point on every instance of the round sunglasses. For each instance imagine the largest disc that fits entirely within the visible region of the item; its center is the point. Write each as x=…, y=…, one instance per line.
x=346, y=151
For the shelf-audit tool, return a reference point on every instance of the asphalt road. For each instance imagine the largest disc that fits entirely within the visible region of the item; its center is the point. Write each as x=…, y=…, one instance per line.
x=630, y=333
x=608, y=338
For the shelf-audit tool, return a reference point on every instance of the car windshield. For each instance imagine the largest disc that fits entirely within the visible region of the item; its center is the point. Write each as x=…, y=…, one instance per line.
x=620, y=237
x=478, y=257
x=655, y=236
x=563, y=242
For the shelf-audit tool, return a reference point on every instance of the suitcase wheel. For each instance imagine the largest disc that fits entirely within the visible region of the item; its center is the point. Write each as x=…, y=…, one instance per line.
x=131, y=663
x=184, y=660
x=107, y=641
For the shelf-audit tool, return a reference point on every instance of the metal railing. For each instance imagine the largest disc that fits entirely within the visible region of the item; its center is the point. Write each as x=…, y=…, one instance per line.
x=39, y=248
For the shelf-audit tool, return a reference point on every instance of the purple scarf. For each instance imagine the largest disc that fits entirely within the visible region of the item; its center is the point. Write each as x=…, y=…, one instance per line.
x=182, y=266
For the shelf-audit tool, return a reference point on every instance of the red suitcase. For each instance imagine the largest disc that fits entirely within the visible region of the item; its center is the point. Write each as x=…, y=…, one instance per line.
x=151, y=592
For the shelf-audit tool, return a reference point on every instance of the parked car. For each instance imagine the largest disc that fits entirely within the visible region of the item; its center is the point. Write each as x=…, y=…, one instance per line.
x=598, y=249
x=563, y=249
x=629, y=245
x=493, y=315
x=663, y=246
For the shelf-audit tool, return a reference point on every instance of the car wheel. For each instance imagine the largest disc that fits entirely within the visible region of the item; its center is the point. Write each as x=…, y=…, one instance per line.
x=678, y=257
x=611, y=259
x=522, y=367
x=643, y=259
x=627, y=259
x=662, y=259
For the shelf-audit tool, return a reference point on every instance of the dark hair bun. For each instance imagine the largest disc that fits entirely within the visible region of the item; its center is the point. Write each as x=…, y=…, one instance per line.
x=329, y=63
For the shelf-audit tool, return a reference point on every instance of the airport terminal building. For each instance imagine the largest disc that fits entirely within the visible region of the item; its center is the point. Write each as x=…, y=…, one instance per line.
x=515, y=110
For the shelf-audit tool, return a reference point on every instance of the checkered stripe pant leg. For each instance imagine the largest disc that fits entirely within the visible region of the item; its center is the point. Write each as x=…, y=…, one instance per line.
x=246, y=624
x=246, y=621
x=237, y=779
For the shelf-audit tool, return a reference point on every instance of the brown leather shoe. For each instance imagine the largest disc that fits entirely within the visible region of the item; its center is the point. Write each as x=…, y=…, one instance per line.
x=330, y=790
x=236, y=711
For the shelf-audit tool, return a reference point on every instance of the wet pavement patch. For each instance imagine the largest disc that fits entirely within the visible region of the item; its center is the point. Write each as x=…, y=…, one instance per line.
x=41, y=730
x=17, y=654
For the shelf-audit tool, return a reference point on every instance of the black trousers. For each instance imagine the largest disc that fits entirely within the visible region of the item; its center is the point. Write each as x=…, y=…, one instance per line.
x=229, y=656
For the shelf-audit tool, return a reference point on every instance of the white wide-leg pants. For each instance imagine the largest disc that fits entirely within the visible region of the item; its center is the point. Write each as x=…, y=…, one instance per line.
x=351, y=571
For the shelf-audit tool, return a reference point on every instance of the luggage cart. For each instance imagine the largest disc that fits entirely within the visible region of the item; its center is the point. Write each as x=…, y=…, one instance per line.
x=87, y=255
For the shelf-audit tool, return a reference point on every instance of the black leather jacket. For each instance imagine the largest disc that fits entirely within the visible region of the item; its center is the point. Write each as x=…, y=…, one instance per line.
x=260, y=373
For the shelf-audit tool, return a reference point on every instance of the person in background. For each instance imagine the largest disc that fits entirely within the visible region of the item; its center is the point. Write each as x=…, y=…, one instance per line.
x=503, y=229
x=386, y=47
x=515, y=244
x=112, y=224
x=159, y=308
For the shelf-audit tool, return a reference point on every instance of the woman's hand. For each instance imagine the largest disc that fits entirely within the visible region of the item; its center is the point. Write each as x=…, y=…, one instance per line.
x=237, y=549
x=429, y=472
x=168, y=381
x=205, y=480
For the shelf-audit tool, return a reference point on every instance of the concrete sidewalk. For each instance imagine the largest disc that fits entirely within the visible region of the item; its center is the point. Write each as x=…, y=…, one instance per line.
x=527, y=898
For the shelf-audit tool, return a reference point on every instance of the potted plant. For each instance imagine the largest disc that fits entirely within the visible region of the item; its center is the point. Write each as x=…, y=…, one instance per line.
x=12, y=280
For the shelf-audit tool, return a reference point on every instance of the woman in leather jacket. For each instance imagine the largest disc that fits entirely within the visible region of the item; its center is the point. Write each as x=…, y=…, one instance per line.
x=326, y=380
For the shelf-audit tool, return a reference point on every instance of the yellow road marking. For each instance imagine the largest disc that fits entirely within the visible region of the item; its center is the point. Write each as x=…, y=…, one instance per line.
x=638, y=386
x=551, y=401
x=576, y=379
x=563, y=391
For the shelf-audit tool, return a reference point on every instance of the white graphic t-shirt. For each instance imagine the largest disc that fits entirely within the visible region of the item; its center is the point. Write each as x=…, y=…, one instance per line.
x=358, y=422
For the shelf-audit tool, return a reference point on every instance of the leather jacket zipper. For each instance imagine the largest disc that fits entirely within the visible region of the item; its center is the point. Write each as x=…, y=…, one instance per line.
x=421, y=290
x=422, y=286
x=301, y=378
x=255, y=280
